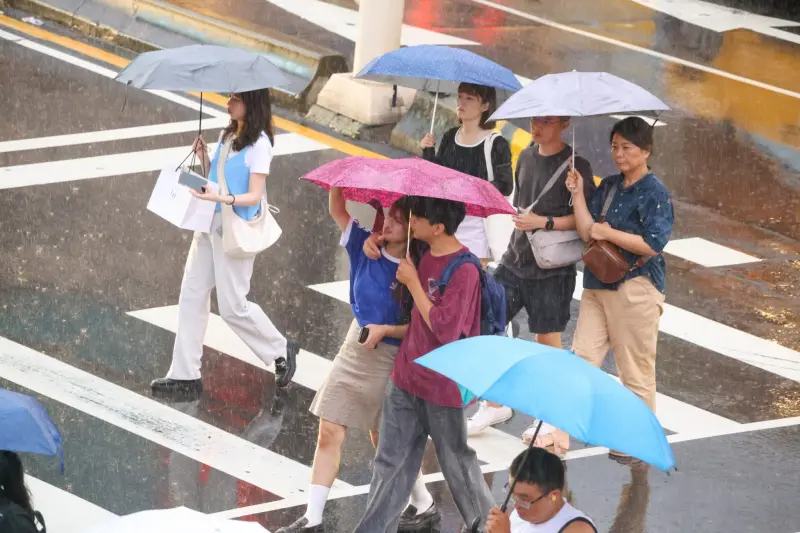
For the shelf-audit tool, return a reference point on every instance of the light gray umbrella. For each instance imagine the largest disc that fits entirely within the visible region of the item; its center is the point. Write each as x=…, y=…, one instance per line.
x=578, y=94
x=202, y=68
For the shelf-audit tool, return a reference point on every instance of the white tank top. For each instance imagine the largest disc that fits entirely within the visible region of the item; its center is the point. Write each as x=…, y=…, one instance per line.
x=566, y=515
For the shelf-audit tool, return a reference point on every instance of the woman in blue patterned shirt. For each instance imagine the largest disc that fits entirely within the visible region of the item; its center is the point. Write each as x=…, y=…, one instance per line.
x=624, y=315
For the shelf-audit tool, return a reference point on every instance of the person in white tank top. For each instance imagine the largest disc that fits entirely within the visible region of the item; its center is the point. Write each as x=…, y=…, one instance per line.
x=538, y=503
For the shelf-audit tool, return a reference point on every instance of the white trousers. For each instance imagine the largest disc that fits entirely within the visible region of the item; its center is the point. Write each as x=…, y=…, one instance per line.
x=207, y=266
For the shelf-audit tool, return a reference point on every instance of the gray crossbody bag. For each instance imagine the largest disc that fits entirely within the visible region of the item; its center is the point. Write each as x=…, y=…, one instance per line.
x=554, y=248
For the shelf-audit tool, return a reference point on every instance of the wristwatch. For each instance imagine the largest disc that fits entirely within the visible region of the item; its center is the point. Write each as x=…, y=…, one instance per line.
x=550, y=223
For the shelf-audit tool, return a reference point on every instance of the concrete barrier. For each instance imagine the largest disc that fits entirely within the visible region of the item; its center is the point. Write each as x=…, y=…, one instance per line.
x=307, y=66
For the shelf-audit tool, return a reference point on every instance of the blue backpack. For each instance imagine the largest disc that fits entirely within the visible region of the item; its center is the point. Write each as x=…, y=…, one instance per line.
x=493, y=295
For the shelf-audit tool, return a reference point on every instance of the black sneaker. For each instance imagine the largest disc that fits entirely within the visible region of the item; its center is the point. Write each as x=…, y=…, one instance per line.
x=411, y=521
x=177, y=387
x=285, y=366
x=301, y=526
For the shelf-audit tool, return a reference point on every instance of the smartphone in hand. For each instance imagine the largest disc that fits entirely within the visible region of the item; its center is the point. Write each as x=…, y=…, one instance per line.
x=192, y=180
x=362, y=338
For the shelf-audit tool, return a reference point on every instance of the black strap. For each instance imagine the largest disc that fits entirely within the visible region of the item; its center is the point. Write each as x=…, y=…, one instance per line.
x=578, y=519
x=39, y=518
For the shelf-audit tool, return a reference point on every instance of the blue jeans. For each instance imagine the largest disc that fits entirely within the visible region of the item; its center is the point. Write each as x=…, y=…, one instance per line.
x=407, y=422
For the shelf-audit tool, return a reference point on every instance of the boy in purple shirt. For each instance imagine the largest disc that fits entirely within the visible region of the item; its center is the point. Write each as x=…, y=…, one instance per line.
x=419, y=402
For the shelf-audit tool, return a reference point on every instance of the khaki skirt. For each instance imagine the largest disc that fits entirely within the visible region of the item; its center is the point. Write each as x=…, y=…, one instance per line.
x=352, y=394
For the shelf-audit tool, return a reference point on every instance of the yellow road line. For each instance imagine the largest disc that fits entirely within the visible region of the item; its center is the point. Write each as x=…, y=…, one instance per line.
x=121, y=62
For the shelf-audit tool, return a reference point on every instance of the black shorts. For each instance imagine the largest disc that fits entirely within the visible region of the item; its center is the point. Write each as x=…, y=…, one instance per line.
x=547, y=301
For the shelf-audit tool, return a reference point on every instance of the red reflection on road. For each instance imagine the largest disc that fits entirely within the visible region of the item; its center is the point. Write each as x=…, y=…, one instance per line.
x=481, y=21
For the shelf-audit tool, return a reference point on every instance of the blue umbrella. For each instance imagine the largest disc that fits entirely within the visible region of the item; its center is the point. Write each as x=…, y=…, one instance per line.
x=25, y=426
x=438, y=68
x=558, y=387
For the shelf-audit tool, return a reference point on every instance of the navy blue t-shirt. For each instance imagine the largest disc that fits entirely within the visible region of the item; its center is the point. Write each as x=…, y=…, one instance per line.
x=644, y=208
x=371, y=282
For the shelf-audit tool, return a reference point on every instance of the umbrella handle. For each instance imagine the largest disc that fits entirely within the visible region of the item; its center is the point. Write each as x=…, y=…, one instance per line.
x=521, y=464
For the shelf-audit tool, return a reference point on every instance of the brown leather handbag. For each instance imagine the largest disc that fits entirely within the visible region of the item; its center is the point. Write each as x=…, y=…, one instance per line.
x=604, y=259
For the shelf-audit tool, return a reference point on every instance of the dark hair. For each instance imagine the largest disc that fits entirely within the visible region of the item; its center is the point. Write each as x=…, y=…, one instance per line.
x=257, y=118
x=437, y=211
x=415, y=248
x=488, y=95
x=12, y=481
x=634, y=130
x=541, y=468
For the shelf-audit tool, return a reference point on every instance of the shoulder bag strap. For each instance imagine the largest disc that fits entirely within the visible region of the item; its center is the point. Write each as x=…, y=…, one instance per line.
x=487, y=154
x=550, y=183
x=223, y=158
x=607, y=205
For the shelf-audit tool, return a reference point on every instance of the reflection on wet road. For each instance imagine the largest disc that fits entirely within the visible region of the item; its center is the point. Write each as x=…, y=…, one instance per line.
x=89, y=280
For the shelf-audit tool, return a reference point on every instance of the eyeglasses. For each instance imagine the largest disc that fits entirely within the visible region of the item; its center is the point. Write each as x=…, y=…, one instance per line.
x=523, y=503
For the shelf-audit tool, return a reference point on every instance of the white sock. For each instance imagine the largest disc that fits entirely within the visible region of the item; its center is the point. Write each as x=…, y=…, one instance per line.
x=420, y=497
x=317, y=497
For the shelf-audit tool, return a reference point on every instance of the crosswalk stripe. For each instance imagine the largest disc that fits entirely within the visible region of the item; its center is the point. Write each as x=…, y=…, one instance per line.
x=311, y=372
x=127, y=163
x=109, y=135
x=64, y=512
x=707, y=253
x=724, y=340
x=153, y=421
x=673, y=414
x=108, y=73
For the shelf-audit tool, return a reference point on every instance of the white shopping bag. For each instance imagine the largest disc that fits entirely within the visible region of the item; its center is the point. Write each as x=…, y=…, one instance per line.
x=499, y=229
x=174, y=203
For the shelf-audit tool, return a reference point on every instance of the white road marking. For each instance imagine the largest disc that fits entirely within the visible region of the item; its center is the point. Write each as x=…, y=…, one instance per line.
x=707, y=253
x=673, y=414
x=119, y=134
x=103, y=71
x=64, y=512
x=343, y=22
x=725, y=340
x=311, y=372
x=311, y=369
x=721, y=18
x=503, y=466
x=633, y=47
x=127, y=163
x=152, y=420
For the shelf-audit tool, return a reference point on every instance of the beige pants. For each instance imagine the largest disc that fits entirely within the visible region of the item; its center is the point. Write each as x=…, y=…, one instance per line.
x=207, y=267
x=625, y=320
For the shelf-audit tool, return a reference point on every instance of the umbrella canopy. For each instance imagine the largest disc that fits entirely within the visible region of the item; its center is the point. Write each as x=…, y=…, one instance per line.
x=578, y=94
x=202, y=68
x=364, y=179
x=178, y=520
x=558, y=387
x=25, y=426
x=439, y=69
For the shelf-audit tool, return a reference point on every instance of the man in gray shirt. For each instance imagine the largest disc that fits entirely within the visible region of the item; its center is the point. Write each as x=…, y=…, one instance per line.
x=546, y=294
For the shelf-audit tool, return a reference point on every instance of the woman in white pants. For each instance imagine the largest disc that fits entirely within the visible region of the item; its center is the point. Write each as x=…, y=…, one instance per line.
x=251, y=133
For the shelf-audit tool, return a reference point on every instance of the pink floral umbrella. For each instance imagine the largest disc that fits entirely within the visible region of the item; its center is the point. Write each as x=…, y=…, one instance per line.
x=365, y=179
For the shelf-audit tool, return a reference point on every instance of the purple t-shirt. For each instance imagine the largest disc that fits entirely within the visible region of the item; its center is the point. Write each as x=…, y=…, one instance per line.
x=454, y=315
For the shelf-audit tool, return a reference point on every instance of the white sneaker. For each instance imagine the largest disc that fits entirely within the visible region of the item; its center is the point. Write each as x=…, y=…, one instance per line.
x=487, y=416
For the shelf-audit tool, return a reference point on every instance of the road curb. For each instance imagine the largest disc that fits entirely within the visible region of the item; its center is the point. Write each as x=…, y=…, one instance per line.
x=311, y=66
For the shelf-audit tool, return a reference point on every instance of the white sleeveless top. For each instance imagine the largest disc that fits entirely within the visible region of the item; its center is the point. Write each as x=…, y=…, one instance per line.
x=566, y=515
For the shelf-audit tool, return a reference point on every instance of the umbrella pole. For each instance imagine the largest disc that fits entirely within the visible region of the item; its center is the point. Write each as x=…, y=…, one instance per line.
x=435, y=105
x=408, y=239
x=521, y=464
x=573, y=146
x=199, y=133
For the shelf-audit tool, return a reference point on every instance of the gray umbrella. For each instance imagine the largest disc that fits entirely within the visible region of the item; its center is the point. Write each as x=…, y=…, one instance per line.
x=202, y=68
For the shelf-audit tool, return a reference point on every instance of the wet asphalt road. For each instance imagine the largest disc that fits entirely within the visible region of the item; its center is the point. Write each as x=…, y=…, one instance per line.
x=77, y=257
